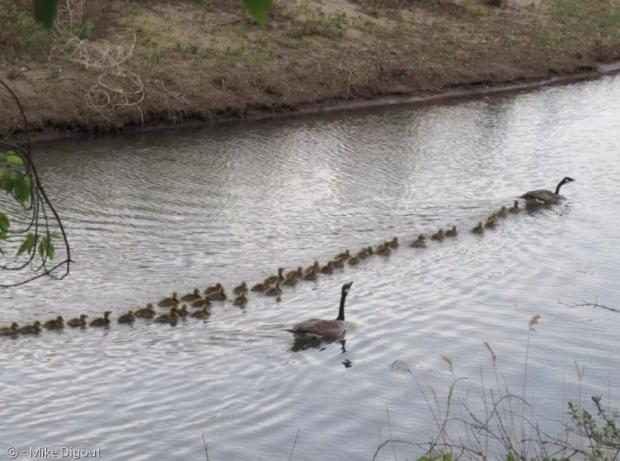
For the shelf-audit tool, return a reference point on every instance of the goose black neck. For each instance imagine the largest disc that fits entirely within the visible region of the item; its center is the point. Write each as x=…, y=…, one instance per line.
x=557, y=189
x=341, y=311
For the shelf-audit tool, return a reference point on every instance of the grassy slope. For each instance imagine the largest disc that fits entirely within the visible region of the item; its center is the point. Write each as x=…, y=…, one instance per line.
x=193, y=63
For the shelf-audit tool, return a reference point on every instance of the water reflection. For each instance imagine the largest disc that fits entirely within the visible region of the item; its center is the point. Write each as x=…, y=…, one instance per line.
x=305, y=342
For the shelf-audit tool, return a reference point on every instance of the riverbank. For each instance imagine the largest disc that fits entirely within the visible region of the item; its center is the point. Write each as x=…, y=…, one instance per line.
x=130, y=64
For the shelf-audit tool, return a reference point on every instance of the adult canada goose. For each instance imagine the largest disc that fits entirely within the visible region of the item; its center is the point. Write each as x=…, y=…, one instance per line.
x=192, y=296
x=78, y=322
x=326, y=329
x=545, y=196
x=33, y=329
x=503, y=212
x=451, y=232
x=55, y=324
x=240, y=300
x=275, y=278
x=169, y=302
x=102, y=321
x=147, y=312
x=420, y=242
x=393, y=243
x=170, y=318
x=201, y=314
x=241, y=289
x=478, y=229
x=514, y=208
x=438, y=236
x=9, y=331
x=129, y=317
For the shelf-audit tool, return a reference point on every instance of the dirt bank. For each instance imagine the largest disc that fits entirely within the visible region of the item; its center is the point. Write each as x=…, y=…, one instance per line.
x=120, y=64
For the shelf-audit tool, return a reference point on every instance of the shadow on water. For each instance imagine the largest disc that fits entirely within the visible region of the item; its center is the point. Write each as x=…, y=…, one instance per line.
x=305, y=342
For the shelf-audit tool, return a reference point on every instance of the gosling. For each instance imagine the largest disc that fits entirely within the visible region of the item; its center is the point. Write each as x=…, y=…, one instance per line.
x=514, y=208
x=170, y=318
x=192, y=296
x=78, y=322
x=102, y=321
x=129, y=317
x=240, y=300
x=145, y=313
x=478, y=229
x=241, y=289
x=274, y=291
x=491, y=222
x=214, y=288
x=201, y=314
x=169, y=302
x=9, y=331
x=33, y=329
x=438, y=236
x=55, y=324
x=420, y=242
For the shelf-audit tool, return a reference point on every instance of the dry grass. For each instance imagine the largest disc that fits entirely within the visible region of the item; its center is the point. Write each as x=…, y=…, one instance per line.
x=207, y=62
x=499, y=423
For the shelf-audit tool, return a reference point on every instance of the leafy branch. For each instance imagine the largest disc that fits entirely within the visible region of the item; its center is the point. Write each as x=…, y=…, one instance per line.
x=20, y=182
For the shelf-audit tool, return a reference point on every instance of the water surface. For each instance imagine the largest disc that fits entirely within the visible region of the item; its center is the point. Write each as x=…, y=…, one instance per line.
x=154, y=213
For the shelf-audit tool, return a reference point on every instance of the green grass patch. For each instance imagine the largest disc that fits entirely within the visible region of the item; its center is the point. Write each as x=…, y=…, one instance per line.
x=21, y=36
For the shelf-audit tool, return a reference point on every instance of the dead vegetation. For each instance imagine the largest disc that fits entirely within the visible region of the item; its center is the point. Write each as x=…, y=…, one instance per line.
x=121, y=63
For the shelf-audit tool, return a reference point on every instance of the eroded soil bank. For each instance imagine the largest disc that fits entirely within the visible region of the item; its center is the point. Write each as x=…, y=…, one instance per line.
x=123, y=64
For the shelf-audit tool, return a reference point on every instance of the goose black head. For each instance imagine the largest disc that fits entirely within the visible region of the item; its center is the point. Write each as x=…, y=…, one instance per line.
x=346, y=287
x=567, y=179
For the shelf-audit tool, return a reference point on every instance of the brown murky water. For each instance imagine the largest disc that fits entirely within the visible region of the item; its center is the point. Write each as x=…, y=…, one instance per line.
x=170, y=211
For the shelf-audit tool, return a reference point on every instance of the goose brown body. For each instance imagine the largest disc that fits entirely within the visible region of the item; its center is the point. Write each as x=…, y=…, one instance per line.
x=545, y=196
x=325, y=329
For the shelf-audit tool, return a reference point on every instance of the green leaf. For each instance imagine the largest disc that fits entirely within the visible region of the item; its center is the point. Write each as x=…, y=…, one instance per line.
x=28, y=244
x=46, y=248
x=45, y=11
x=257, y=9
x=4, y=223
x=51, y=251
x=12, y=159
x=21, y=190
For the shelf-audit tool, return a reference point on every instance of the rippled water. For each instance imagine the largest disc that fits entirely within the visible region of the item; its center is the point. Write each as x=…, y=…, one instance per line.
x=154, y=213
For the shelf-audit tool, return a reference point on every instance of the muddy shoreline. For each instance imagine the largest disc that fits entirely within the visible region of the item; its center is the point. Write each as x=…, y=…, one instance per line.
x=416, y=98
